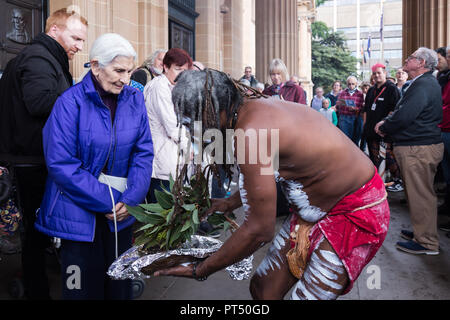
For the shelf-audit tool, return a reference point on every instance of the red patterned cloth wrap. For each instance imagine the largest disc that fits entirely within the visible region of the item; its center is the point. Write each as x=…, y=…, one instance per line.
x=357, y=235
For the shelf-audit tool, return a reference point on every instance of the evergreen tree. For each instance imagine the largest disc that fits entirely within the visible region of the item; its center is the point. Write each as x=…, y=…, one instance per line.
x=331, y=59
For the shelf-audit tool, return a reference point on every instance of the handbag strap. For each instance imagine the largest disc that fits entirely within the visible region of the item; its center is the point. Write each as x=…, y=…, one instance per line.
x=115, y=215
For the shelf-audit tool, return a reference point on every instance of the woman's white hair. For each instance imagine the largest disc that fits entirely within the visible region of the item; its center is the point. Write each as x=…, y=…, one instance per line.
x=109, y=46
x=277, y=65
x=429, y=56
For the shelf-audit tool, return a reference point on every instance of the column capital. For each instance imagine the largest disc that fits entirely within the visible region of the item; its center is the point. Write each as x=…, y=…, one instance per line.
x=309, y=4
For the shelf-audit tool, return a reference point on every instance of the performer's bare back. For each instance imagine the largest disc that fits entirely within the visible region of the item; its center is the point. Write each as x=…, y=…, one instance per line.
x=312, y=151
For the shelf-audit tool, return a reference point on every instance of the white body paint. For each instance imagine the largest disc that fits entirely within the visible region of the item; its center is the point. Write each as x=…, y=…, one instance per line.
x=243, y=193
x=298, y=198
x=273, y=257
x=320, y=271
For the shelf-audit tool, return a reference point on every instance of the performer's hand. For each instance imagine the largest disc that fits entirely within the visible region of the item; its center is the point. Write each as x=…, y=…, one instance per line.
x=377, y=129
x=217, y=205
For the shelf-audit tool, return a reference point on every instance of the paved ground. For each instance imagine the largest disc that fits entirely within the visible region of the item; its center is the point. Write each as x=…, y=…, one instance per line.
x=402, y=276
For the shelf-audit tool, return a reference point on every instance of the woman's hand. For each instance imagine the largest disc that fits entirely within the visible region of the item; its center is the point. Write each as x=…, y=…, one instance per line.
x=121, y=213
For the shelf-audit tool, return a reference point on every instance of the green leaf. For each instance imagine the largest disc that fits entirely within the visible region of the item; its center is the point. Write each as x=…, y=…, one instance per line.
x=171, y=182
x=156, y=230
x=147, y=226
x=152, y=207
x=186, y=226
x=165, y=200
x=175, y=236
x=169, y=216
x=169, y=233
x=226, y=226
x=151, y=244
x=195, y=216
x=189, y=207
x=142, y=216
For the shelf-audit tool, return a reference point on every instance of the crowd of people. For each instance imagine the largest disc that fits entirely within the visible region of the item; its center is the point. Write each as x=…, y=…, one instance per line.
x=81, y=153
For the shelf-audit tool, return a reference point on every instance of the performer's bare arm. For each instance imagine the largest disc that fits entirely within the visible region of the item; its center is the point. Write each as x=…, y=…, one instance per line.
x=257, y=229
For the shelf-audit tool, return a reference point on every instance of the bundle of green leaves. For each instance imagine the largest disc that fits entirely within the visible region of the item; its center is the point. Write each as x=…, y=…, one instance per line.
x=176, y=216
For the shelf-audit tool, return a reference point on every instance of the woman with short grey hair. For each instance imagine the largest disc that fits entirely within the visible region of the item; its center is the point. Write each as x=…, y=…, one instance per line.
x=99, y=154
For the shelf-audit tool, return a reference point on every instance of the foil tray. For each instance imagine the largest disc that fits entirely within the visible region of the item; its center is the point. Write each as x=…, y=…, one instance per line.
x=134, y=264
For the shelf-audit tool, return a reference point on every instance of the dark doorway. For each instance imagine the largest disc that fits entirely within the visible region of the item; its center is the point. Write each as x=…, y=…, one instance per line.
x=23, y=20
x=182, y=17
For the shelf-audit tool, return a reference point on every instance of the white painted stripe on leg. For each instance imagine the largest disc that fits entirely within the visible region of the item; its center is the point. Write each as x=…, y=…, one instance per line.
x=301, y=287
x=273, y=257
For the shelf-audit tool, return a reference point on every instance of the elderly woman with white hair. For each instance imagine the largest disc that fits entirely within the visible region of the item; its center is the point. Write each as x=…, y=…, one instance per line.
x=99, y=153
x=282, y=88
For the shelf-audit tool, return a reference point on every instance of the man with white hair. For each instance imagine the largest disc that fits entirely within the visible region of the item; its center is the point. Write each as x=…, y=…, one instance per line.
x=150, y=68
x=418, y=148
x=349, y=106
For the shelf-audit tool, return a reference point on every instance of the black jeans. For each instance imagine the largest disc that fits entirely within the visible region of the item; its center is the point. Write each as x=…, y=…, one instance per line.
x=84, y=265
x=30, y=188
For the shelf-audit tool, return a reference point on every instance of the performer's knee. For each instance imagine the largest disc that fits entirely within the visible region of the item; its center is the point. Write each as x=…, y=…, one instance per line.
x=261, y=290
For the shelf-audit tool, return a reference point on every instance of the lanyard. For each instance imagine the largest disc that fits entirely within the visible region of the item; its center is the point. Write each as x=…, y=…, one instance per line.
x=378, y=96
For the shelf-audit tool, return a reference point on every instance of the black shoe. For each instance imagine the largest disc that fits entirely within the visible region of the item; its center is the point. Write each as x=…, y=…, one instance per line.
x=415, y=248
x=407, y=235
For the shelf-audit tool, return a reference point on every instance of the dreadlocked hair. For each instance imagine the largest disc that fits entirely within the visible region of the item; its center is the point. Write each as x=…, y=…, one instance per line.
x=202, y=95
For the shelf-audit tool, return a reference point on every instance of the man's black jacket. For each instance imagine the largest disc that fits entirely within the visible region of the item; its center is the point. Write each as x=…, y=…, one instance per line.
x=417, y=115
x=388, y=96
x=29, y=87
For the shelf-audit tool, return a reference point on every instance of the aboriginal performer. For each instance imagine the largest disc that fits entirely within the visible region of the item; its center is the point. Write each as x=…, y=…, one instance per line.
x=339, y=212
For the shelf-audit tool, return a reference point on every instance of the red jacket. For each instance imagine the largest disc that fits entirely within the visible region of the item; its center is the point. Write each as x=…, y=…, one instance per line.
x=445, y=124
x=289, y=92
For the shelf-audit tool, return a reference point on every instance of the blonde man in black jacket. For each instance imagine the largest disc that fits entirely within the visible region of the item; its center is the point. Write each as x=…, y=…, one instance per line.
x=29, y=87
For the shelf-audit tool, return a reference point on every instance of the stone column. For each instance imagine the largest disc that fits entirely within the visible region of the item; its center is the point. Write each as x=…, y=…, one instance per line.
x=142, y=22
x=232, y=38
x=276, y=36
x=306, y=15
x=425, y=24
x=208, y=34
x=153, y=25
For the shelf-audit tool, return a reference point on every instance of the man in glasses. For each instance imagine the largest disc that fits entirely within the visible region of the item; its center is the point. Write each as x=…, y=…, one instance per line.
x=418, y=149
x=349, y=106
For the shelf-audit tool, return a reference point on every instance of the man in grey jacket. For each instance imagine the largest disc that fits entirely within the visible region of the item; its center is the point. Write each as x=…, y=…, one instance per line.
x=418, y=149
